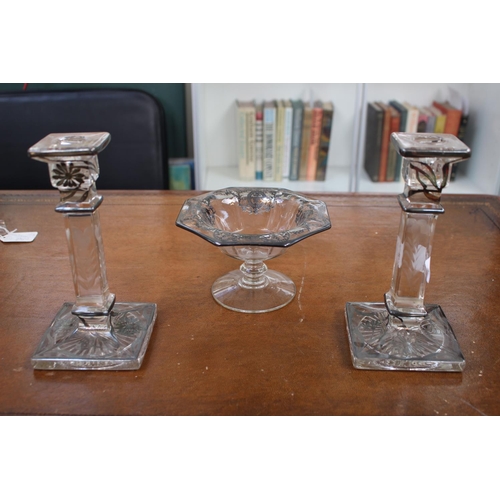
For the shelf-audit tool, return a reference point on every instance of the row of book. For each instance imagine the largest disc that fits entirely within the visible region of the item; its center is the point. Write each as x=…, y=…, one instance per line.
x=382, y=163
x=283, y=139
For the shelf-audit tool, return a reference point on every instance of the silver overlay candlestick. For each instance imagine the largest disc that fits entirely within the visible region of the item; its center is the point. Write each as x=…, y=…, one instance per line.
x=403, y=333
x=94, y=333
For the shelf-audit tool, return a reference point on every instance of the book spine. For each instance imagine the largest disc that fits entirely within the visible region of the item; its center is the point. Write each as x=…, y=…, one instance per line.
x=384, y=146
x=258, y=145
x=440, y=124
x=324, y=145
x=269, y=141
x=373, y=141
x=412, y=120
x=279, y=150
x=287, y=141
x=463, y=127
x=304, y=147
x=422, y=121
x=242, y=142
x=431, y=124
x=250, y=173
x=312, y=157
x=393, y=155
x=403, y=111
x=453, y=118
x=296, y=143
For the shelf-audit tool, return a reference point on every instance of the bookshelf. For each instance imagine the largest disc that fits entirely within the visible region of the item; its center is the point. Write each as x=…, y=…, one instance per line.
x=214, y=132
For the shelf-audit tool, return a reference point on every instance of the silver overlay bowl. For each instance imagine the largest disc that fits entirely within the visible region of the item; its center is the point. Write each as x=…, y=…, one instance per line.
x=253, y=225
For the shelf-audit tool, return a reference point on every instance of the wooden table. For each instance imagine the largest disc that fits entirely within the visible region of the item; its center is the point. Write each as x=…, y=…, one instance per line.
x=205, y=360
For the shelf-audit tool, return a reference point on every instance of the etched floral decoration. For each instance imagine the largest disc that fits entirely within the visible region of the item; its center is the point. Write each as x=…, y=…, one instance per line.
x=71, y=177
x=67, y=175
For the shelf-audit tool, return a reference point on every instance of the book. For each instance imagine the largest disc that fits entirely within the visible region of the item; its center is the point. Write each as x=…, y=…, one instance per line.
x=280, y=141
x=440, y=120
x=181, y=174
x=269, y=140
x=453, y=117
x=403, y=113
x=304, y=145
x=287, y=141
x=431, y=119
x=312, y=155
x=246, y=139
x=412, y=118
x=463, y=126
x=373, y=140
x=298, y=110
x=259, y=159
x=458, y=101
x=393, y=155
x=324, y=144
x=384, y=147
x=461, y=102
x=423, y=118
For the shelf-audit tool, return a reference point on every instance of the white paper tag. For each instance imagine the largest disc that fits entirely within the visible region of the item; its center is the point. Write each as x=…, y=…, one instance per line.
x=15, y=237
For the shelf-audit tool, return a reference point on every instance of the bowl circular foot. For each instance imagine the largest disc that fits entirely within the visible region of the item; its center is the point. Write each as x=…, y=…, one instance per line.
x=231, y=292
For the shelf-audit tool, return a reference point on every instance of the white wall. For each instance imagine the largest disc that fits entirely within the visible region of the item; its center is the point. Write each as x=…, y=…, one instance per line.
x=483, y=136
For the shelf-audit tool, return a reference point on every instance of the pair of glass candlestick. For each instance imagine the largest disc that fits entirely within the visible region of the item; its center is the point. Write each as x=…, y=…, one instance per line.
x=252, y=225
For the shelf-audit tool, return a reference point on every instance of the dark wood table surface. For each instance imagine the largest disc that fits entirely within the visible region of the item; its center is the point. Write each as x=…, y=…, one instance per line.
x=205, y=360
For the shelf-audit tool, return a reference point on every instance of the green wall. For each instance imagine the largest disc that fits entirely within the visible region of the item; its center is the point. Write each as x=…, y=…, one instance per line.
x=170, y=95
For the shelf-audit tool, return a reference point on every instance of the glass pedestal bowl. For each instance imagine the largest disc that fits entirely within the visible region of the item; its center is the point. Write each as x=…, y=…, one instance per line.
x=253, y=225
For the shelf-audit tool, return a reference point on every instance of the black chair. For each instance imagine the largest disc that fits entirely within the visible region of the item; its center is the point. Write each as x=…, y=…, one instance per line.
x=136, y=157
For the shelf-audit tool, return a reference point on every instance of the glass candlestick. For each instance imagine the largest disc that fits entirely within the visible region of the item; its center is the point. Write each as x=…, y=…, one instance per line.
x=404, y=333
x=94, y=332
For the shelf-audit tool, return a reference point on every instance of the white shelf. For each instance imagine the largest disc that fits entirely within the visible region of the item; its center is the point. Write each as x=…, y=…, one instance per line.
x=214, y=133
x=214, y=129
x=222, y=177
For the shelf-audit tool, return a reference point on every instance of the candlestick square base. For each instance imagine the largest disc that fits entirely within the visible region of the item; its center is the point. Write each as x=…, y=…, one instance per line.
x=379, y=341
x=64, y=347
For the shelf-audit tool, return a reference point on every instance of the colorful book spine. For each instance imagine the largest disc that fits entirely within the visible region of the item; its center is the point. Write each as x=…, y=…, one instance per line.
x=287, y=155
x=324, y=145
x=306, y=137
x=259, y=163
x=269, y=140
x=423, y=119
x=393, y=155
x=373, y=140
x=298, y=111
x=412, y=118
x=431, y=119
x=384, y=147
x=453, y=117
x=246, y=139
x=440, y=120
x=312, y=156
x=280, y=141
x=403, y=113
